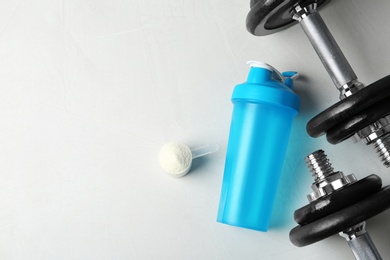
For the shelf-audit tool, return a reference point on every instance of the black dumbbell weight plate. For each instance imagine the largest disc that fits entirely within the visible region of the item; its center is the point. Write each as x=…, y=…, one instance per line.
x=338, y=200
x=342, y=219
x=346, y=129
x=349, y=107
x=266, y=17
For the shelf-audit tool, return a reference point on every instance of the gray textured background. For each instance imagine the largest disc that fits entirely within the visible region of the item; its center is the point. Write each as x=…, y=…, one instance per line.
x=90, y=91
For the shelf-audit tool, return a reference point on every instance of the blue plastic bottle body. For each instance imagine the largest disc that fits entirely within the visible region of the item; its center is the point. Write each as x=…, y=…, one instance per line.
x=258, y=141
x=257, y=145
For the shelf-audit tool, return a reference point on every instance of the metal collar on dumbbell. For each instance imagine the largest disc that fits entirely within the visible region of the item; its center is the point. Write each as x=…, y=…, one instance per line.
x=372, y=132
x=354, y=232
x=350, y=88
x=326, y=180
x=300, y=12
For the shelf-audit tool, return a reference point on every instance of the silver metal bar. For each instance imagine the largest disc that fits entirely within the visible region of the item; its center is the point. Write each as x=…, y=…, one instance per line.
x=325, y=45
x=360, y=243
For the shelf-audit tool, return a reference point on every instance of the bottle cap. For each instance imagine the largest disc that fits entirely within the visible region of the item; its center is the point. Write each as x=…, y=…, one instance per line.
x=268, y=85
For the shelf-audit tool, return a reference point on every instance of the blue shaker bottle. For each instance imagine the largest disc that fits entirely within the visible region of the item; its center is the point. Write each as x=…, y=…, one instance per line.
x=264, y=109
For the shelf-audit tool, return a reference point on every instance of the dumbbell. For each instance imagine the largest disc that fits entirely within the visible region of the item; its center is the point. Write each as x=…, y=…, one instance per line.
x=363, y=111
x=340, y=204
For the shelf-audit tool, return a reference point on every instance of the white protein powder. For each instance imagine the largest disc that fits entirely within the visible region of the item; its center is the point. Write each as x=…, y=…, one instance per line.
x=175, y=159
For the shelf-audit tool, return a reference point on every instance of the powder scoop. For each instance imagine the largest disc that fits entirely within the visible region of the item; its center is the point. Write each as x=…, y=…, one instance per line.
x=176, y=158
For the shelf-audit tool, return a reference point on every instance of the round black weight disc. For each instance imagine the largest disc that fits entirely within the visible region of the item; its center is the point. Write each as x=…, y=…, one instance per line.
x=348, y=107
x=366, y=117
x=338, y=200
x=266, y=17
x=342, y=219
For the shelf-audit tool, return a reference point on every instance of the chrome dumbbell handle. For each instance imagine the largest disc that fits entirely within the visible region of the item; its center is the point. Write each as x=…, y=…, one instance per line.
x=327, y=49
x=360, y=243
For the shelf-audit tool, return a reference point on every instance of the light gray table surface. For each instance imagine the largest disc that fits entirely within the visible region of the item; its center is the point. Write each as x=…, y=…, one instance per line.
x=91, y=90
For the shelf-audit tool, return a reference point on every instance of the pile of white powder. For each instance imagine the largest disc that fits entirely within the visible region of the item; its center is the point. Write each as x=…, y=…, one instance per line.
x=175, y=159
